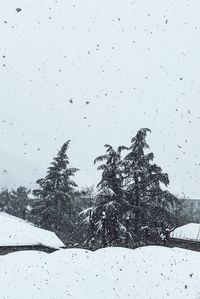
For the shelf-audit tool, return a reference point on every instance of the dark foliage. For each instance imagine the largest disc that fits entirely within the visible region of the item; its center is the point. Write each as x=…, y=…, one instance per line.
x=54, y=208
x=130, y=207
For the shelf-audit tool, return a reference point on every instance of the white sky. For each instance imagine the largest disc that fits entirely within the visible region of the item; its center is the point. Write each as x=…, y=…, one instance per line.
x=136, y=62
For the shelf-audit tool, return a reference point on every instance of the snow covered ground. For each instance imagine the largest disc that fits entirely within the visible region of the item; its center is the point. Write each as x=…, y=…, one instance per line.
x=111, y=273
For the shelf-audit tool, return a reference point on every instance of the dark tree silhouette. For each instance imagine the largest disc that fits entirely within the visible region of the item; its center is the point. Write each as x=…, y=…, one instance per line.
x=55, y=205
x=106, y=215
x=144, y=179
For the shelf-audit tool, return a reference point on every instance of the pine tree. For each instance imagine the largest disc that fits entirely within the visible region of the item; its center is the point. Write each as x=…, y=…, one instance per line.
x=55, y=195
x=150, y=203
x=4, y=200
x=84, y=199
x=18, y=202
x=106, y=215
x=111, y=170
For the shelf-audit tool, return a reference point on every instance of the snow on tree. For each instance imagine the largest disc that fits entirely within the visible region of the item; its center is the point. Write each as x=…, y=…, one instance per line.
x=54, y=204
x=19, y=201
x=4, y=200
x=15, y=202
x=144, y=181
x=130, y=206
x=106, y=215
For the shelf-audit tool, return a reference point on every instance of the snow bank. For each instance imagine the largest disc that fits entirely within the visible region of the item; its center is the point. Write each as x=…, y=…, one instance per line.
x=16, y=232
x=112, y=273
x=190, y=231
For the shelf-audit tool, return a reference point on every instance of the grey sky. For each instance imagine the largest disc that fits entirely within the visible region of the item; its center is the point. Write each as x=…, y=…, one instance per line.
x=136, y=62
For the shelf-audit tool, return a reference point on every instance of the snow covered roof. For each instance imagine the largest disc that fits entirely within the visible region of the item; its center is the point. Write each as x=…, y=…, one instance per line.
x=190, y=231
x=17, y=232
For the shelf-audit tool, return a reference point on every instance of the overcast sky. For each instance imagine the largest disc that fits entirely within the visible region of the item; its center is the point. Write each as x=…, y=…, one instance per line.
x=137, y=63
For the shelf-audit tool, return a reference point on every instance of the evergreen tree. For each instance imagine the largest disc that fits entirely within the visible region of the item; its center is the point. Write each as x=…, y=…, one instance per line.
x=15, y=202
x=150, y=203
x=4, y=200
x=55, y=196
x=112, y=176
x=84, y=199
x=18, y=202
x=106, y=216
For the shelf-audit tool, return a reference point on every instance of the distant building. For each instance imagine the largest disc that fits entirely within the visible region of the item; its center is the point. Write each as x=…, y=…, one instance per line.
x=17, y=234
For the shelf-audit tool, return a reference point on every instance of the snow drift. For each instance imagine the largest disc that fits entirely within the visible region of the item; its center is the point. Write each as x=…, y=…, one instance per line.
x=111, y=273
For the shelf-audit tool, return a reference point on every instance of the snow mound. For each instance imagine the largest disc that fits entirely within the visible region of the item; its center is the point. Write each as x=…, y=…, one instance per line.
x=17, y=232
x=190, y=231
x=112, y=273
